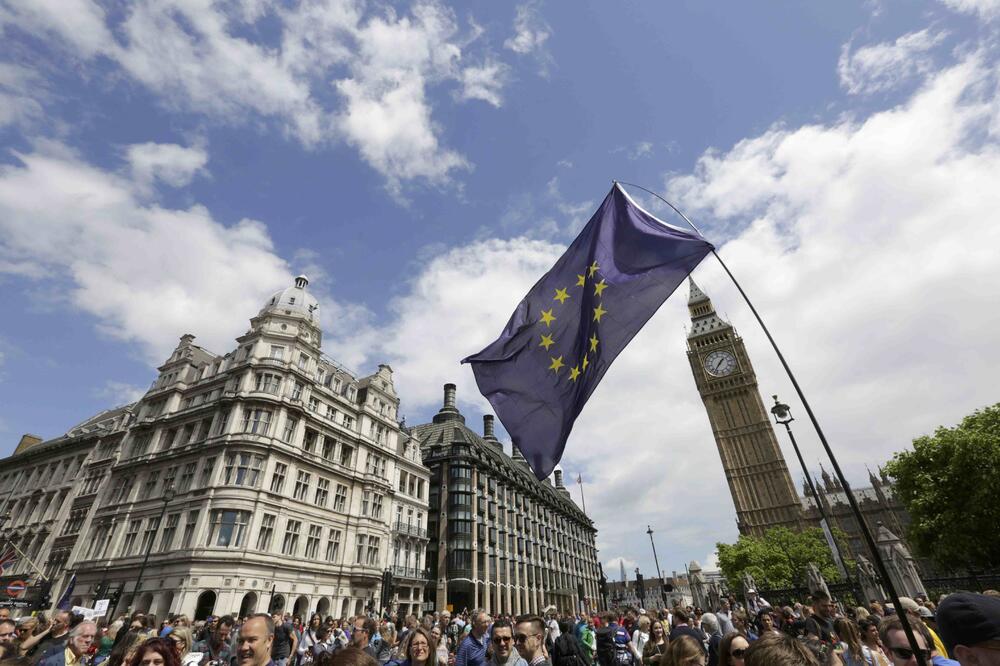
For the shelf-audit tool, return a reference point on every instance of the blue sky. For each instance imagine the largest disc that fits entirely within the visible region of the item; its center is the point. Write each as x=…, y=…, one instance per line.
x=167, y=164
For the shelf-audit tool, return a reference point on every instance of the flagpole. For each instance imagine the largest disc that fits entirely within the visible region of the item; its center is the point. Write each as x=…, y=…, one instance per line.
x=579, y=480
x=10, y=542
x=865, y=531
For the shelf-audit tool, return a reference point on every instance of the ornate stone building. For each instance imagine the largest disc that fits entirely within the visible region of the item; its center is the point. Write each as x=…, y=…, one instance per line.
x=269, y=477
x=500, y=539
x=759, y=482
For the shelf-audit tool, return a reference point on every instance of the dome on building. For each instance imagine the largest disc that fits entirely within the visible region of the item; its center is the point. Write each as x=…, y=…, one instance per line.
x=294, y=300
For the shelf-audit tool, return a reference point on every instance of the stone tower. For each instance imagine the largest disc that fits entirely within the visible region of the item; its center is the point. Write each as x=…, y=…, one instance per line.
x=758, y=477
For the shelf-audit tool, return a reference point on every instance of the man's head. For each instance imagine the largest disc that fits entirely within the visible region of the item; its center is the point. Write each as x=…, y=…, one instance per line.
x=970, y=628
x=480, y=623
x=8, y=631
x=724, y=605
x=822, y=605
x=224, y=628
x=82, y=637
x=364, y=631
x=4, y=613
x=503, y=639
x=60, y=622
x=898, y=647
x=253, y=648
x=529, y=636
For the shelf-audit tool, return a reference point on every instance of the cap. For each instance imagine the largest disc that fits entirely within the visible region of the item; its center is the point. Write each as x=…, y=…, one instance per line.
x=926, y=612
x=751, y=591
x=642, y=611
x=967, y=619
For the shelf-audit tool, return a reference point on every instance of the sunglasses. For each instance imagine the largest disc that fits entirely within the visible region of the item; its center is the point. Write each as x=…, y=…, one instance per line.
x=738, y=653
x=906, y=653
x=521, y=638
x=502, y=639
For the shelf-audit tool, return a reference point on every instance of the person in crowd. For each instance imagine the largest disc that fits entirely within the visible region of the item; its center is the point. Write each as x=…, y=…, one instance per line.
x=362, y=637
x=897, y=646
x=774, y=649
x=472, y=649
x=755, y=602
x=742, y=625
x=349, y=656
x=78, y=643
x=568, y=650
x=285, y=642
x=502, y=640
x=869, y=637
x=9, y=641
x=710, y=625
x=419, y=648
x=640, y=636
x=652, y=653
x=255, y=643
x=912, y=610
x=182, y=638
x=125, y=646
x=765, y=622
x=682, y=626
x=820, y=623
x=324, y=642
x=852, y=650
x=440, y=645
x=733, y=649
x=613, y=643
x=684, y=650
x=308, y=639
x=970, y=628
x=49, y=639
x=388, y=644
x=218, y=647
x=529, y=640
x=155, y=652
x=725, y=618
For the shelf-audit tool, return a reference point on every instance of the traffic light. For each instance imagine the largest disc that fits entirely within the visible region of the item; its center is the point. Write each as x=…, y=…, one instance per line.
x=388, y=588
x=640, y=588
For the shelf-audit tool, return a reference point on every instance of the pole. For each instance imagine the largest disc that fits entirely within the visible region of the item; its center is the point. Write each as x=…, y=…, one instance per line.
x=579, y=480
x=168, y=495
x=656, y=560
x=865, y=530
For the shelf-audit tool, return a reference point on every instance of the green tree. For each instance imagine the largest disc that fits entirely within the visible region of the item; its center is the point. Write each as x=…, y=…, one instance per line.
x=950, y=485
x=780, y=557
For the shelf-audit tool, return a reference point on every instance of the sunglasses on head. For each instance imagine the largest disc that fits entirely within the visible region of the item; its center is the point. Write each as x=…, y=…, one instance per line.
x=906, y=653
x=738, y=653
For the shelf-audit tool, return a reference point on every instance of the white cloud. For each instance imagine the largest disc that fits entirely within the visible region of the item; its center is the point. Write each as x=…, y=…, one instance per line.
x=530, y=34
x=168, y=163
x=336, y=74
x=21, y=92
x=880, y=67
x=636, y=151
x=121, y=393
x=985, y=9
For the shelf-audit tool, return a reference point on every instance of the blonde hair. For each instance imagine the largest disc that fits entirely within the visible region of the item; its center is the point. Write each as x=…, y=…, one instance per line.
x=682, y=650
x=184, y=634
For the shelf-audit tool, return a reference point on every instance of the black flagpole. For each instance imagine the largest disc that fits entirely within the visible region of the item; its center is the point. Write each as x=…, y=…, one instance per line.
x=865, y=531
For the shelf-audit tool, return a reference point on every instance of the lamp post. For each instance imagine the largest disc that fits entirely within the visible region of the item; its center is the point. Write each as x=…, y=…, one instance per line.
x=783, y=416
x=656, y=560
x=168, y=497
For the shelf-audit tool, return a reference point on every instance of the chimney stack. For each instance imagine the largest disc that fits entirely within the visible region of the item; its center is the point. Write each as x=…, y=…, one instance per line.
x=559, y=478
x=449, y=411
x=488, y=427
x=449, y=396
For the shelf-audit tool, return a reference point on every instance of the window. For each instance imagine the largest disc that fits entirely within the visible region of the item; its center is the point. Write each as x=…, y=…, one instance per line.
x=206, y=472
x=309, y=440
x=312, y=542
x=362, y=544
x=303, y=361
x=243, y=469
x=99, y=542
x=266, y=382
x=278, y=477
x=322, y=492
x=140, y=445
x=257, y=421
x=340, y=498
x=375, y=464
x=302, y=486
x=223, y=422
x=378, y=433
x=313, y=404
x=376, y=506
x=329, y=444
x=331, y=412
x=373, y=546
x=148, y=537
x=266, y=532
x=348, y=422
x=187, y=477
x=167, y=540
x=128, y=546
x=278, y=352
x=189, y=528
x=228, y=528
x=346, y=455
x=290, y=426
x=402, y=481
x=366, y=500
x=291, y=543
x=125, y=489
x=297, y=391
x=332, y=545
x=149, y=487
x=167, y=440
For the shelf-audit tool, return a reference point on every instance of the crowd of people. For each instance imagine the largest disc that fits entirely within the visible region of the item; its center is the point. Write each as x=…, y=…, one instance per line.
x=963, y=628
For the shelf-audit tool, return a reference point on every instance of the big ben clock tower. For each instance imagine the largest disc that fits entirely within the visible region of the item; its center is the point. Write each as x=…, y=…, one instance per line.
x=758, y=477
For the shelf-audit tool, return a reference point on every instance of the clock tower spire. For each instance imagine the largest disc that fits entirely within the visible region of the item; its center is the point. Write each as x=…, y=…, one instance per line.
x=755, y=468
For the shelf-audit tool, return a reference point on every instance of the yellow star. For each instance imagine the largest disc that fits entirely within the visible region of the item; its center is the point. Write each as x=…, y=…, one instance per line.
x=593, y=342
x=599, y=287
x=547, y=342
x=599, y=312
x=556, y=364
x=580, y=280
x=560, y=296
x=574, y=372
x=593, y=269
x=548, y=317
x=586, y=362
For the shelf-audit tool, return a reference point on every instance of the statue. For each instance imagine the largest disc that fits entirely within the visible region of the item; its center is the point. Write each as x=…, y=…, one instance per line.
x=871, y=587
x=815, y=581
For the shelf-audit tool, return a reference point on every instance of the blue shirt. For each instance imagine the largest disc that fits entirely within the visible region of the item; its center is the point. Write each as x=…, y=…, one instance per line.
x=472, y=651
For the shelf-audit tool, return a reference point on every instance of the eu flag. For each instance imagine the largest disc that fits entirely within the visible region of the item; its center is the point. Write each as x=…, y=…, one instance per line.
x=564, y=335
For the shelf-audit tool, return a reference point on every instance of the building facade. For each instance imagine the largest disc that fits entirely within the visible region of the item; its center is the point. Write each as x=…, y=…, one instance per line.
x=500, y=539
x=266, y=478
x=758, y=477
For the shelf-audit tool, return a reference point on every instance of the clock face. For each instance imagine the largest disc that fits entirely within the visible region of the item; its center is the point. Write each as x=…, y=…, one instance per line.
x=720, y=363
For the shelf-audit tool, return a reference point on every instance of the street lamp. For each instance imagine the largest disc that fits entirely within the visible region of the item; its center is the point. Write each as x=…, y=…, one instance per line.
x=783, y=416
x=168, y=497
x=659, y=574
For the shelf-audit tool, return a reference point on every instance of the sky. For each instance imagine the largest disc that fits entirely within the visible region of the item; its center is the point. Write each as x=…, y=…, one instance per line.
x=165, y=165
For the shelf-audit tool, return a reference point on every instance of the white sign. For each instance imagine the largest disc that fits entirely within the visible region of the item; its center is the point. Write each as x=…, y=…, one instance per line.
x=87, y=613
x=101, y=606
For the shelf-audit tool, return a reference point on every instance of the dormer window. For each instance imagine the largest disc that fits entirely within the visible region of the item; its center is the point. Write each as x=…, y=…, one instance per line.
x=291, y=300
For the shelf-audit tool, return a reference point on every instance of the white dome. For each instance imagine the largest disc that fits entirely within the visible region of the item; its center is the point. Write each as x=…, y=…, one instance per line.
x=294, y=300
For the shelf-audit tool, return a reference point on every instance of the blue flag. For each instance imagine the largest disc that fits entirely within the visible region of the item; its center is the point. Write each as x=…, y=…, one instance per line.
x=566, y=332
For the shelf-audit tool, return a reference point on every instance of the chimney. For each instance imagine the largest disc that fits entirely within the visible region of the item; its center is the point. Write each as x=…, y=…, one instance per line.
x=448, y=411
x=559, y=480
x=449, y=396
x=488, y=427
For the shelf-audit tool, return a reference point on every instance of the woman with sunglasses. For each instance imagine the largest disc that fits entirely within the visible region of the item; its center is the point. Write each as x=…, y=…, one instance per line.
x=732, y=650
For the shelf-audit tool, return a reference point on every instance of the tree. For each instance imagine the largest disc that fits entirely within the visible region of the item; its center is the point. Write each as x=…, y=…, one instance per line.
x=949, y=484
x=780, y=557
